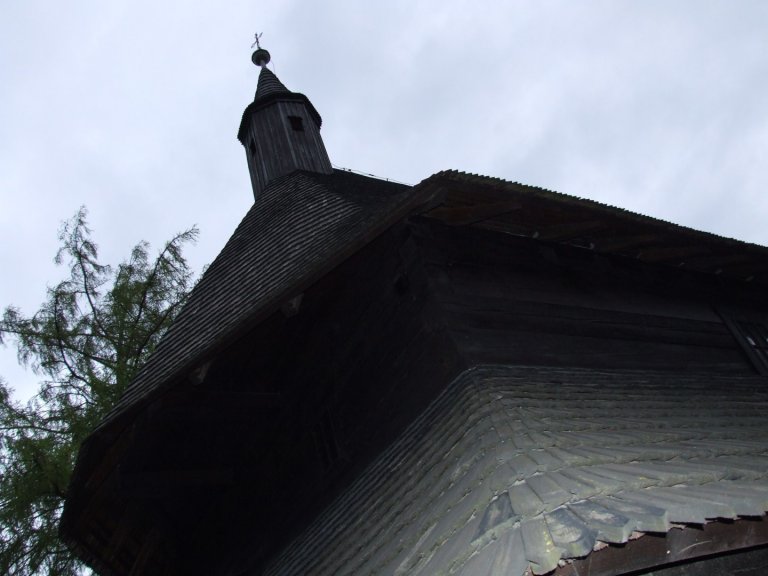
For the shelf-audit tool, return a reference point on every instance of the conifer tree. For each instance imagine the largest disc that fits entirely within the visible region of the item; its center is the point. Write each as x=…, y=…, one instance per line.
x=87, y=342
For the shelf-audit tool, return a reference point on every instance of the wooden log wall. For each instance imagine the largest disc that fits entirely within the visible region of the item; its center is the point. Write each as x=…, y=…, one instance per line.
x=511, y=300
x=283, y=420
x=286, y=418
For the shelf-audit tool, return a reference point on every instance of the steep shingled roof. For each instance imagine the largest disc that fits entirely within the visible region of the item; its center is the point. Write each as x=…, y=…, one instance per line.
x=269, y=85
x=301, y=227
x=270, y=89
x=519, y=209
x=517, y=468
x=306, y=223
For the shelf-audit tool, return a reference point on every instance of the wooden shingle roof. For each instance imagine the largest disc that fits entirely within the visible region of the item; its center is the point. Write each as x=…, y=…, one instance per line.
x=546, y=453
x=269, y=85
x=519, y=209
x=305, y=224
x=525, y=468
x=268, y=90
x=300, y=228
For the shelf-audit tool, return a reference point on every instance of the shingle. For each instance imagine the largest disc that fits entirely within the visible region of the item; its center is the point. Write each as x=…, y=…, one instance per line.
x=454, y=548
x=510, y=558
x=523, y=440
x=548, y=490
x=502, y=427
x=644, y=517
x=739, y=502
x=522, y=466
x=498, y=512
x=756, y=492
x=711, y=508
x=540, y=550
x=595, y=454
x=269, y=84
x=481, y=563
x=643, y=474
x=577, y=487
x=525, y=501
x=543, y=439
x=570, y=534
x=616, y=475
x=301, y=223
x=568, y=457
x=620, y=453
x=610, y=525
x=546, y=459
x=749, y=467
x=596, y=483
x=679, y=509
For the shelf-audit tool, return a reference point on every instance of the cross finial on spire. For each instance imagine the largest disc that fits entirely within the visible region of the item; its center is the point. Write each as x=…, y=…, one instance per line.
x=260, y=57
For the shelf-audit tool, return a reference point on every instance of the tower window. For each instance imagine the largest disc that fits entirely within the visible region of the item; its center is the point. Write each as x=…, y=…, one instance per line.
x=296, y=123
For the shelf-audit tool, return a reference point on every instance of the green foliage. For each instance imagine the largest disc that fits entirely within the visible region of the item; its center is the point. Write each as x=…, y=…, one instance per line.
x=88, y=340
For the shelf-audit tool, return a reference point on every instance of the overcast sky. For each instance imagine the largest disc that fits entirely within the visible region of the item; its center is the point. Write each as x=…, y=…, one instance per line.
x=132, y=108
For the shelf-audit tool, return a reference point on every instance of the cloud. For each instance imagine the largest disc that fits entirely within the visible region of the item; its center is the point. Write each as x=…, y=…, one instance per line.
x=132, y=109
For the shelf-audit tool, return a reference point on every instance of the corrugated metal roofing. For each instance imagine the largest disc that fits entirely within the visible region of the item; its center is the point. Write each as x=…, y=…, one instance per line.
x=521, y=468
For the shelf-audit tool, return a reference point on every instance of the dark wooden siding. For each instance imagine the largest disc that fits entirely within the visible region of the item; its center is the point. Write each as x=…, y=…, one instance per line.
x=364, y=355
x=230, y=465
x=510, y=300
x=273, y=148
x=292, y=412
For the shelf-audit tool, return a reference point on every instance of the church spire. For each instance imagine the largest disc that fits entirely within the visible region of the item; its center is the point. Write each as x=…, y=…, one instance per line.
x=268, y=82
x=280, y=130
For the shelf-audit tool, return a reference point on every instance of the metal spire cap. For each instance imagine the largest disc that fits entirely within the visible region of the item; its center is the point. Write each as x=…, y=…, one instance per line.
x=260, y=57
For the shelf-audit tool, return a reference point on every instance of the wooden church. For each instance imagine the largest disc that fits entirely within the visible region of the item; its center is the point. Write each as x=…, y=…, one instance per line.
x=468, y=376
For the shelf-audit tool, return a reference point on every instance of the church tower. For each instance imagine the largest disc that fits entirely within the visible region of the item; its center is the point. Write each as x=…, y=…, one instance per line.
x=280, y=131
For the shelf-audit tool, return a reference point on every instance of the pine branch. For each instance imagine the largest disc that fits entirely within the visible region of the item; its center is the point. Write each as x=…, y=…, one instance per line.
x=88, y=338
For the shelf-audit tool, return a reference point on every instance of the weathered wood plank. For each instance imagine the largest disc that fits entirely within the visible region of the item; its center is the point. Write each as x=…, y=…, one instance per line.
x=542, y=349
x=680, y=545
x=526, y=316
